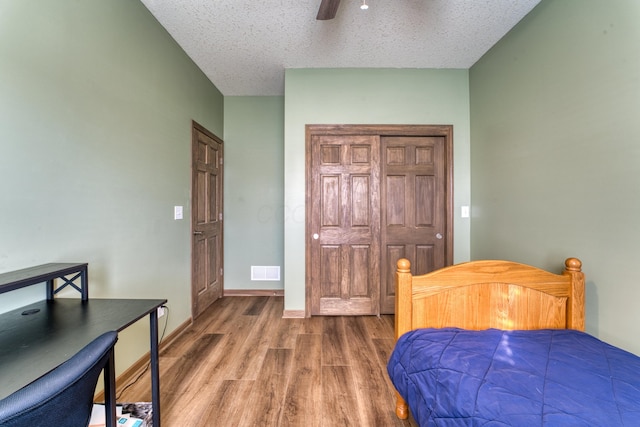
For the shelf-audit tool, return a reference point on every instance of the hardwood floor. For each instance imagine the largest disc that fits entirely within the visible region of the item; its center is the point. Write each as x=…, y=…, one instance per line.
x=242, y=364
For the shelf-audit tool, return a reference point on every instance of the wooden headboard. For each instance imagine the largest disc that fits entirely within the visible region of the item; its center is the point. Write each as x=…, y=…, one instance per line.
x=490, y=294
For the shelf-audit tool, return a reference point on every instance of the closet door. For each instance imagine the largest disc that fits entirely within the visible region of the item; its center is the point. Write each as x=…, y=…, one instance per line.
x=374, y=194
x=344, y=225
x=414, y=208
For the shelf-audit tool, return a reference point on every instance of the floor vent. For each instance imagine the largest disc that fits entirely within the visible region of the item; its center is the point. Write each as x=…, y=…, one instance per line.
x=261, y=272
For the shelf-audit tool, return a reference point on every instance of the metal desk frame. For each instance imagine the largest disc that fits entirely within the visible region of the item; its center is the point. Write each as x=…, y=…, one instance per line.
x=48, y=273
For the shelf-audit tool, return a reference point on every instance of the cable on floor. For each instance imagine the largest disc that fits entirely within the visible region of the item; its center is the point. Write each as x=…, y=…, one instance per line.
x=146, y=368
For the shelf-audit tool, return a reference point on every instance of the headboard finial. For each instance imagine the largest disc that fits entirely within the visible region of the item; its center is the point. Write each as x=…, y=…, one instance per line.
x=573, y=264
x=404, y=266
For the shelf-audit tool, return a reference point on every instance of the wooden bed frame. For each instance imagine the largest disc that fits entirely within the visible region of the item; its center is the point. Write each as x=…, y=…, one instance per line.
x=488, y=294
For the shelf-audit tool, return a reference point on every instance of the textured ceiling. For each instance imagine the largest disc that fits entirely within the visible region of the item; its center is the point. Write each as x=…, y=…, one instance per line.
x=244, y=46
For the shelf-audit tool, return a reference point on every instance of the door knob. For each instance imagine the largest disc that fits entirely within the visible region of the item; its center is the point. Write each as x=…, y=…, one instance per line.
x=197, y=233
x=316, y=236
x=438, y=236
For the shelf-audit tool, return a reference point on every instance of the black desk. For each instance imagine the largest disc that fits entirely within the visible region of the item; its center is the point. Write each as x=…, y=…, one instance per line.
x=31, y=345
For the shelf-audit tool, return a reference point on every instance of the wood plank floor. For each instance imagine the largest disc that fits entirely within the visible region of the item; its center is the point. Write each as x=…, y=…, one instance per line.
x=242, y=364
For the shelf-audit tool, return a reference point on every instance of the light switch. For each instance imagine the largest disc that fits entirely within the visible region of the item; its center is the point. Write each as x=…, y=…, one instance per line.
x=177, y=212
x=464, y=211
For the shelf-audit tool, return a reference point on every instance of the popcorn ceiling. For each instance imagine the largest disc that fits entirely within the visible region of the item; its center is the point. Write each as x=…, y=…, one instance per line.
x=244, y=46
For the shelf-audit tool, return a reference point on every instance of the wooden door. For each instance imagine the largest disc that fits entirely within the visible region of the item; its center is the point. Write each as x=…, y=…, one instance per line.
x=414, y=204
x=375, y=193
x=206, y=219
x=343, y=231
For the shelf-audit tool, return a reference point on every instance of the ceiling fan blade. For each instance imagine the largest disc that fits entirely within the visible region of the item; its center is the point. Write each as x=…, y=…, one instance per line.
x=328, y=9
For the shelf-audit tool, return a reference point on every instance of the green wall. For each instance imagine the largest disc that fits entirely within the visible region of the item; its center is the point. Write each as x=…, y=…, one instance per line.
x=367, y=96
x=253, y=200
x=96, y=103
x=555, y=153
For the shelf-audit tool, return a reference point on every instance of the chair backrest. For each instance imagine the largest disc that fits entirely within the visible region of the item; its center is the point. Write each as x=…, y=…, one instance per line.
x=64, y=396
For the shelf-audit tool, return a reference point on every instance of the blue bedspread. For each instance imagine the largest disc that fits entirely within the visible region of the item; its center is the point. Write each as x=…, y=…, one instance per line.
x=454, y=377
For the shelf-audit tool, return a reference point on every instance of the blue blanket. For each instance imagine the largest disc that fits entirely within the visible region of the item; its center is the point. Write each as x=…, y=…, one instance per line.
x=453, y=377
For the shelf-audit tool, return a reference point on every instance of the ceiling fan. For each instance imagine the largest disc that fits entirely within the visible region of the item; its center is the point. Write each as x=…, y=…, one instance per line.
x=328, y=9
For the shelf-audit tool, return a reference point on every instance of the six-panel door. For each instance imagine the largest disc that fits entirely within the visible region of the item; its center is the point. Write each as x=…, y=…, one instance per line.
x=345, y=248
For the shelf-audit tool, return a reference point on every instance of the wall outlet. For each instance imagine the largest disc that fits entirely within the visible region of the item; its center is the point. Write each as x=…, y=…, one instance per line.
x=160, y=311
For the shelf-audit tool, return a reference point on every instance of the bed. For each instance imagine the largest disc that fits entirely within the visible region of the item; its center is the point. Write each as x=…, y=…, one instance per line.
x=498, y=343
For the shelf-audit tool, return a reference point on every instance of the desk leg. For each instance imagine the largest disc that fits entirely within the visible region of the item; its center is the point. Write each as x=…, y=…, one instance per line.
x=84, y=283
x=50, y=289
x=110, y=390
x=155, y=368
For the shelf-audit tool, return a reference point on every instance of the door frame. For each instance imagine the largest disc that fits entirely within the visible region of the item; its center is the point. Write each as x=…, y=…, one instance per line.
x=311, y=130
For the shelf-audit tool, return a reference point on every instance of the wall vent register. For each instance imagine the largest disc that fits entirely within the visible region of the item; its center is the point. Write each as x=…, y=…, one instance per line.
x=261, y=272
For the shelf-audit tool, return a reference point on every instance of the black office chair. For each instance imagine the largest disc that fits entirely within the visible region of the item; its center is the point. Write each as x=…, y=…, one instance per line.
x=64, y=396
